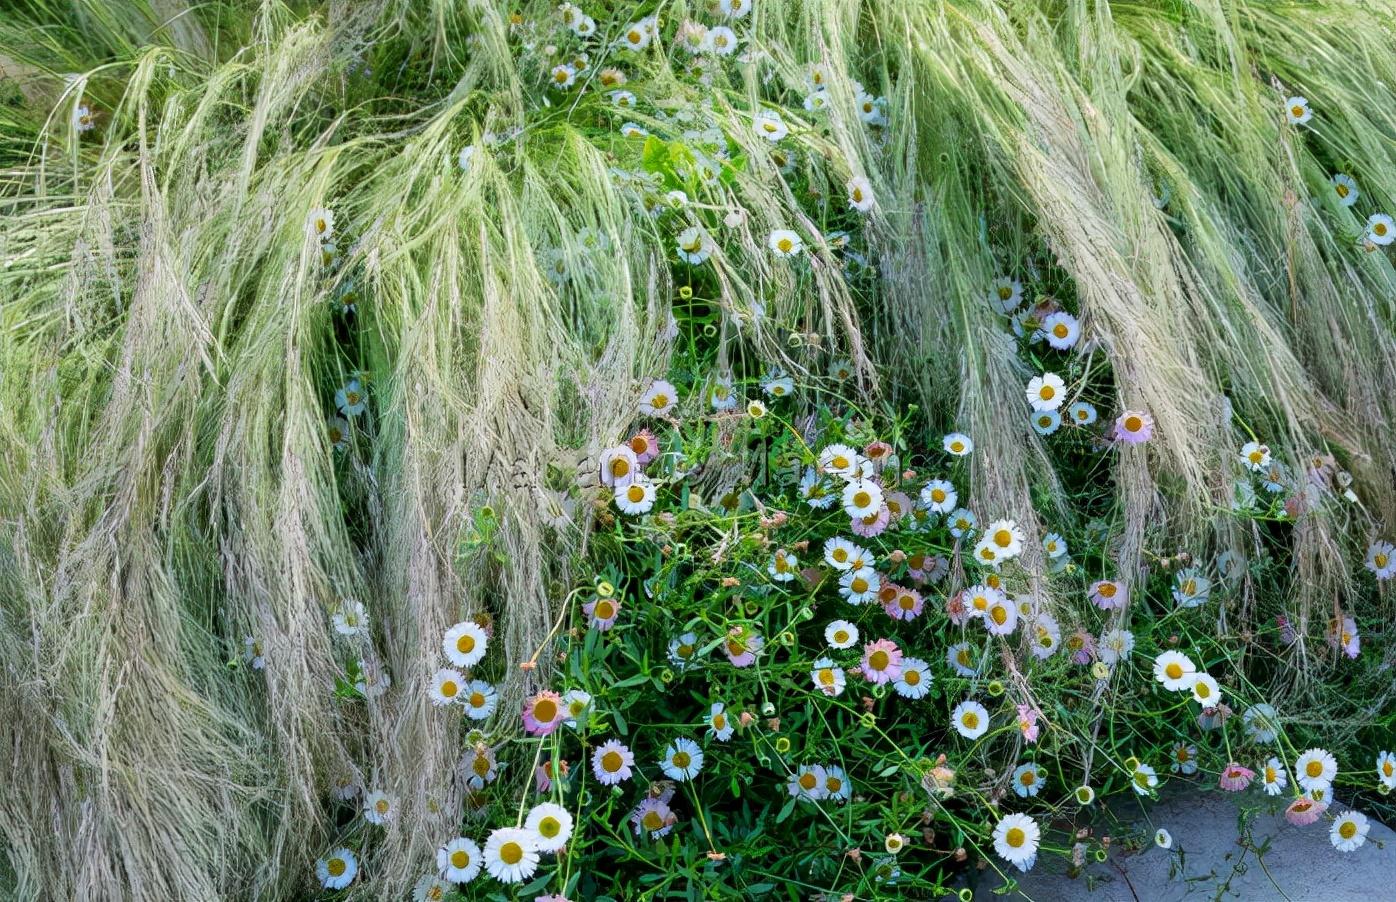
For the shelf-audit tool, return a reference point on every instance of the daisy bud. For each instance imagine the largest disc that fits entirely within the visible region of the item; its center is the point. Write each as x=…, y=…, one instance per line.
x=746, y=719
x=773, y=724
x=960, y=855
x=855, y=854
x=730, y=581
x=897, y=556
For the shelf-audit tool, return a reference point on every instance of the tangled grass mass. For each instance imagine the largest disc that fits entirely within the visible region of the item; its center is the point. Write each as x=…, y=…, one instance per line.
x=726, y=449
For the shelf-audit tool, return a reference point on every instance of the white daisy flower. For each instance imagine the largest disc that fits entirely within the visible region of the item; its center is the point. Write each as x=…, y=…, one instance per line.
x=784, y=566
x=1191, y=589
x=1315, y=767
x=1144, y=778
x=1006, y=536
x=480, y=700
x=337, y=431
x=721, y=395
x=1345, y=186
x=939, y=496
x=960, y=657
x=694, y=245
x=659, y=398
x=1255, y=456
x=465, y=643
x=466, y=156
x=511, y=854
x=1175, y=671
x=83, y=119
x=1380, y=229
x=636, y=498
x=860, y=586
x=1053, y=545
x=862, y=498
x=1115, y=645
x=636, y=36
x=337, y=869
x=1349, y=831
x=1082, y=413
x=1005, y=295
x=1297, y=111
x=958, y=444
x=971, y=719
x=841, y=634
x=1163, y=839
x=770, y=126
x=319, y=224
x=719, y=724
x=460, y=860
x=828, y=677
x=1046, y=392
x=1386, y=769
x=622, y=99
x=379, y=807
x=915, y=679
x=350, y=399
x=446, y=686
x=860, y=196
x=682, y=650
x=1001, y=617
x=756, y=410
x=734, y=9
x=1273, y=777
x=350, y=619
x=551, y=825
x=1205, y=690
x=721, y=40
x=1061, y=330
x=1381, y=559
x=1016, y=837
x=563, y=77
x=839, y=460
x=1046, y=636
x=575, y=703
x=1028, y=779
x=962, y=522
x=1045, y=422
x=683, y=760
x=840, y=553
x=633, y=130
x=778, y=386
x=785, y=243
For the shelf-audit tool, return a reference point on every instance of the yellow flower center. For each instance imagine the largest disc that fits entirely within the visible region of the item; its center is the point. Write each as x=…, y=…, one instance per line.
x=1107, y=590
x=337, y=867
x=549, y=827
x=1174, y=670
x=962, y=657
x=719, y=722
x=1380, y=559
x=1348, y=830
x=858, y=584
x=1342, y=190
x=449, y=688
x=511, y=853
x=685, y=651
x=1003, y=538
x=620, y=466
x=652, y=820
x=465, y=644
x=1133, y=423
x=785, y=244
x=911, y=677
x=1296, y=111
x=1028, y=778
x=957, y=446
x=1015, y=837
x=879, y=660
x=604, y=610
x=808, y=781
x=999, y=614
x=1141, y=779
x=1060, y=330
x=477, y=700
x=1314, y=768
x=826, y=677
x=970, y=720
x=1047, y=393
x=460, y=858
x=840, y=555
x=545, y=710
x=659, y=401
x=1005, y=292
x=381, y=806
x=1202, y=689
x=681, y=760
x=635, y=494
x=612, y=762
x=481, y=766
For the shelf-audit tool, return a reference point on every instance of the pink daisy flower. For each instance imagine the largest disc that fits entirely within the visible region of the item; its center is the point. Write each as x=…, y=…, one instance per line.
x=1133, y=427
x=741, y=648
x=1081, y=644
x=956, y=609
x=867, y=527
x=611, y=762
x=1302, y=812
x=543, y=775
x=1235, y=778
x=1107, y=594
x=653, y=816
x=882, y=661
x=1027, y=722
x=543, y=713
x=602, y=613
x=905, y=605
x=645, y=445
x=898, y=506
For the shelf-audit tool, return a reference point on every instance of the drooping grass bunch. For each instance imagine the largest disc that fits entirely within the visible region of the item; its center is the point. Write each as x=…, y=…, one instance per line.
x=317, y=322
